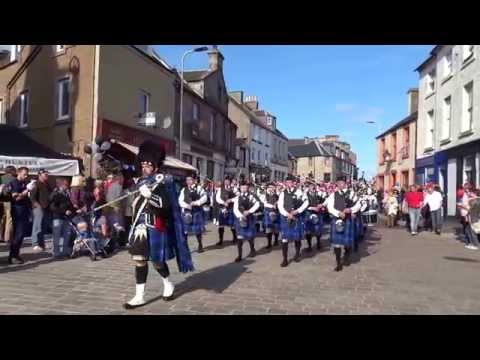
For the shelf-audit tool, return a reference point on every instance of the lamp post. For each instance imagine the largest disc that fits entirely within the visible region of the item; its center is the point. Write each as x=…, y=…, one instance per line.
x=198, y=49
x=379, y=127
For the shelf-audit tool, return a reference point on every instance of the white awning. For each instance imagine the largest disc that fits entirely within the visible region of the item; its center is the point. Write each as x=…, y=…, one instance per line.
x=170, y=161
x=56, y=167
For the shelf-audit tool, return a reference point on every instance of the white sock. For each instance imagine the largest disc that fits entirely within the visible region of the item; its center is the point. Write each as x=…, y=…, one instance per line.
x=139, y=297
x=168, y=287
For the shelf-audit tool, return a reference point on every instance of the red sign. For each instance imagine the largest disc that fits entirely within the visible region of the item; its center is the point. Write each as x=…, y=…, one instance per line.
x=132, y=136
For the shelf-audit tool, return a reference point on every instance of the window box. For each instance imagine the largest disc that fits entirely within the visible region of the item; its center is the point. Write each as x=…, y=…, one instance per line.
x=465, y=134
x=445, y=141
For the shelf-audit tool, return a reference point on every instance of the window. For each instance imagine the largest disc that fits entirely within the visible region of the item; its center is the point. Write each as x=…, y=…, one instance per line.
x=266, y=159
x=14, y=51
x=243, y=157
x=326, y=177
x=467, y=116
x=144, y=102
x=211, y=127
x=431, y=82
x=60, y=48
x=199, y=165
x=429, y=130
x=24, y=100
x=187, y=158
x=446, y=118
x=253, y=155
x=63, y=99
x=258, y=156
x=195, y=112
x=447, y=64
x=210, y=169
x=2, y=121
x=382, y=151
x=310, y=161
x=468, y=168
x=406, y=142
x=468, y=51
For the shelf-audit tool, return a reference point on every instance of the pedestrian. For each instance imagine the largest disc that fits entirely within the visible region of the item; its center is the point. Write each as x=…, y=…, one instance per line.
x=191, y=200
x=21, y=208
x=341, y=208
x=471, y=238
x=245, y=206
x=40, y=198
x=292, y=202
x=6, y=225
x=62, y=210
x=414, y=201
x=225, y=197
x=434, y=200
x=391, y=208
x=157, y=226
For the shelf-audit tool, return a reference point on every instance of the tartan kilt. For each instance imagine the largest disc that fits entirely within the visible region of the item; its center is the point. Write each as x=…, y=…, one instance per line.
x=292, y=233
x=267, y=223
x=247, y=232
x=259, y=217
x=345, y=238
x=227, y=219
x=154, y=247
x=198, y=222
x=359, y=230
x=311, y=228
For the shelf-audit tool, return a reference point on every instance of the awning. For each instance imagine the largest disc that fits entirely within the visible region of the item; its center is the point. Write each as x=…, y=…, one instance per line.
x=18, y=149
x=170, y=161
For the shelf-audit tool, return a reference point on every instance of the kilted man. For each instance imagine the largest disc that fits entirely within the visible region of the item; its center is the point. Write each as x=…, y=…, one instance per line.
x=244, y=208
x=271, y=216
x=314, y=217
x=342, y=210
x=191, y=200
x=224, y=198
x=291, y=205
x=157, y=232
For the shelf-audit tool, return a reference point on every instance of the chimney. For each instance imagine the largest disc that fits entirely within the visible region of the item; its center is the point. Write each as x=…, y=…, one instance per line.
x=237, y=95
x=251, y=102
x=215, y=59
x=412, y=95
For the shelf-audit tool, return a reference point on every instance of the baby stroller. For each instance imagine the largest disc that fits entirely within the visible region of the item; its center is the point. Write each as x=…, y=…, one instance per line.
x=83, y=243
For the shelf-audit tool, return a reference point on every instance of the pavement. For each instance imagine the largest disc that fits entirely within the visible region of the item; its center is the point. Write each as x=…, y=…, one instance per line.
x=393, y=273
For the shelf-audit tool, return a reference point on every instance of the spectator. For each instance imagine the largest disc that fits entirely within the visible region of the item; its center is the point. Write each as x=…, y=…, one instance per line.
x=6, y=225
x=471, y=238
x=115, y=212
x=61, y=208
x=20, y=213
x=78, y=194
x=434, y=200
x=391, y=208
x=40, y=198
x=414, y=200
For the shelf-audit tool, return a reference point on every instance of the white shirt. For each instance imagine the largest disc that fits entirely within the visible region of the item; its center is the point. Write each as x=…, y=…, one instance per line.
x=252, y=210
x=331, y=206
x=203, y=198
x=434, y=200
x=300, y=195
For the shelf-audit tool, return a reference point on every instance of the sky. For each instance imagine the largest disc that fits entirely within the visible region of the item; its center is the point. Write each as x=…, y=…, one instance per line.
x=321, y=90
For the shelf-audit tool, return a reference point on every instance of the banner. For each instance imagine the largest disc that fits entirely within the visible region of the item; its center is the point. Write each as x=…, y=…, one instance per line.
x=56, y=167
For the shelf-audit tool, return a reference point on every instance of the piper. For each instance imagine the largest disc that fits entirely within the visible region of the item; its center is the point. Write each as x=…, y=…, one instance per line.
x=271, y=217
x=225, y=197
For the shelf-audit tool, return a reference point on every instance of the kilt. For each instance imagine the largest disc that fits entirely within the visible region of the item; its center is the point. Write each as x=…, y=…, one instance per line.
x=154, y=247
x=259, y=217
x=227, y=219
x=247, y=232
x=311, y=228
x=198, y=222
x=359, y=229
x=267, y=223
x=346, y=237
x=292, y=233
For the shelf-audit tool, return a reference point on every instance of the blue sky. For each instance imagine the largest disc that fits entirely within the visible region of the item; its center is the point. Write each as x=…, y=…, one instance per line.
x=319, y=90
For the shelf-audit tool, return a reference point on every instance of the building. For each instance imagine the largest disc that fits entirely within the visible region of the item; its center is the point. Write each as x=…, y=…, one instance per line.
x=448, y=127
x=312, y=160
x=65, y=96
x=292, y=164
x=342, y=160
x=265, y=145
x=209, y=139
x=396, y=149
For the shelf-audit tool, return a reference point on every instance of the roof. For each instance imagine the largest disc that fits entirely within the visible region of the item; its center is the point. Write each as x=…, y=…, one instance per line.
x=433, y=53
x=279, y=133
x=305, y=150
x=407, y=120
x=196, y=75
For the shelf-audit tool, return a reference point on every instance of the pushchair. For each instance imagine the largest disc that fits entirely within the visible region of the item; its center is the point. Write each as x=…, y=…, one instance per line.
x=88, y=244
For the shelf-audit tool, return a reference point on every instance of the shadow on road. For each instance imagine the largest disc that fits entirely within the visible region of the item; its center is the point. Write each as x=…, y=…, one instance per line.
x=453, y=258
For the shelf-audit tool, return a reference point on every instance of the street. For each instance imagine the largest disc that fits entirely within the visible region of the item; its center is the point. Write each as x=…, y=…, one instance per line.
x=393, y=273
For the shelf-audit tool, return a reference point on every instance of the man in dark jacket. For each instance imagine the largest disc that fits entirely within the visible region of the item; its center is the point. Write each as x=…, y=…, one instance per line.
x=61, y=208
x=40, y=197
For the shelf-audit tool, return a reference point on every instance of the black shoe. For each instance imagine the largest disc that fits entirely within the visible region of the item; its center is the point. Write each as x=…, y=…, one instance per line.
x=127, y=306
x=220, y=243
x=252, y=254
x=319, y=247
x=275, y=243
x=338, y=268
x=170, y=298
x=103, y=254
x=238, y=259
x=297, y=258
x=284, y=263
x=93, y=257
x=200, y=250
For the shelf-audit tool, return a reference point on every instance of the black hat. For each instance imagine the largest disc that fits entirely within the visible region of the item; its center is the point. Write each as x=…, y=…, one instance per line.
x=227, y=177
x=150, y=152
x=192, y=175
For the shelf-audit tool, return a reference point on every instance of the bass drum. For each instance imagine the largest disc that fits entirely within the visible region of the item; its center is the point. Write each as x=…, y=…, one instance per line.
x=370, y=218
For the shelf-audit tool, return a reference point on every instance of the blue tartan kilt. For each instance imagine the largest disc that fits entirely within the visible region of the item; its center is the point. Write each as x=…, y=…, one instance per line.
x=346, y=237
x=359, y=230
x=311, y=228
x=227, y=219
x=248, y=232
x=267, y=223
x=292, y=233
x=196, y=227
x=155, y=247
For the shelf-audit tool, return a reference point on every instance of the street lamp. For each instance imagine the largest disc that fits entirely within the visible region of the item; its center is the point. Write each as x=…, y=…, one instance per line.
x=378, y=125
x=198, y=49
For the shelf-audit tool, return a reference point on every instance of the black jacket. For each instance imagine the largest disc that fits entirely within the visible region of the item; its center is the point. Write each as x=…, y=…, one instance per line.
x=59, y=204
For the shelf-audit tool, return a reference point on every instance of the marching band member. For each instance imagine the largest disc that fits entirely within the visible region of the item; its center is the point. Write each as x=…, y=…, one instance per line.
x=244, y=207
x=314, y=217
x=291, y=205
x=271, y=217
x=342, y=209
x=157, y=230
x=225, y=198
x=191, y=200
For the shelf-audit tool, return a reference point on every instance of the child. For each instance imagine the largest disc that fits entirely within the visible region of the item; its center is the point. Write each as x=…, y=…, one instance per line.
x=85, y=234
